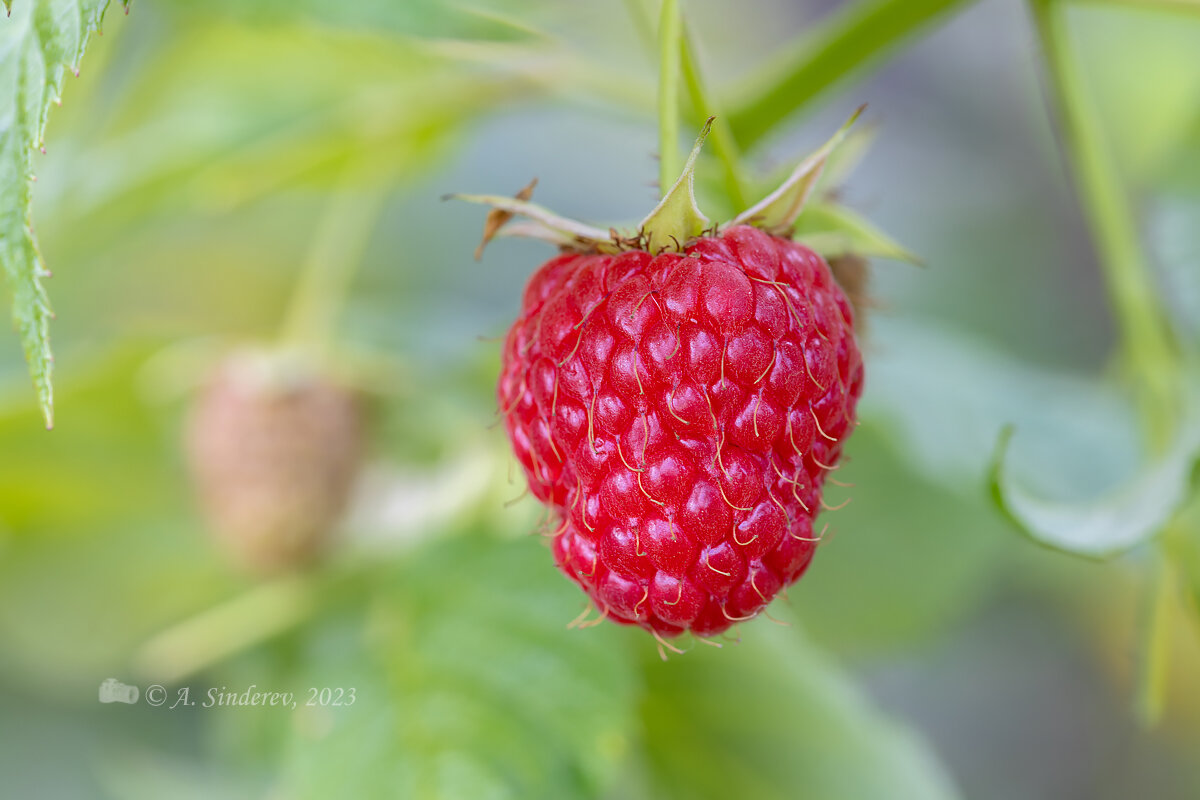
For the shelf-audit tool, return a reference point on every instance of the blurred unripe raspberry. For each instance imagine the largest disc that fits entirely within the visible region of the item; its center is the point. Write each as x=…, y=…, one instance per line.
x=274, y=447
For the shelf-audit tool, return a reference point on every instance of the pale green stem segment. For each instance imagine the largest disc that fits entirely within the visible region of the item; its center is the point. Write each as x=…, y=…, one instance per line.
x=703, y=104
x=333, y=259
x=723, y=141
x=1156, y=645
x=227, y=629
x=1147, y=350
x=670, y=46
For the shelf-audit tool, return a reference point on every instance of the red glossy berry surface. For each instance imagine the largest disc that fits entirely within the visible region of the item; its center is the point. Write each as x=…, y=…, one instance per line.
x=680, y=414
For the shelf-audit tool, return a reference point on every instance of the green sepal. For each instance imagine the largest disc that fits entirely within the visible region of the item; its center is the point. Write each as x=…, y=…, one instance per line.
x=544, y=224
x=778, y=211
x=676, y=218
x=834, y=230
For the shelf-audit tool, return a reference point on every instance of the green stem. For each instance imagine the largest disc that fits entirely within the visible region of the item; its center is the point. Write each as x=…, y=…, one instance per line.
x=332, y=261
x=224, y=630
x=670, y=44
x=853, y=37
x=1156, y=646
x=724, y=143
x=1147, y=349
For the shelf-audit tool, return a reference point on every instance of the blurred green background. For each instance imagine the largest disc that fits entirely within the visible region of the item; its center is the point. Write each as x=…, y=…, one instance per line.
x=930, y=652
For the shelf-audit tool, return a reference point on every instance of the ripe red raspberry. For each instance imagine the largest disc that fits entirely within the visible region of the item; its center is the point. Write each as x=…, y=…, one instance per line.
x=679, y=412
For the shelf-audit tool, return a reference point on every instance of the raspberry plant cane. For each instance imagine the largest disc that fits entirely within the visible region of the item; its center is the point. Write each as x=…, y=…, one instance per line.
x=678, y=395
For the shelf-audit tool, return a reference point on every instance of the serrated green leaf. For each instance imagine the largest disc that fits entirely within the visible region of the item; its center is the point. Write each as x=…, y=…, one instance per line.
x=676, y=218
x=834, y=230
x=1106, y=525
x=469, y=684
x=38, y=44
x=778, y=211
x=769, y=717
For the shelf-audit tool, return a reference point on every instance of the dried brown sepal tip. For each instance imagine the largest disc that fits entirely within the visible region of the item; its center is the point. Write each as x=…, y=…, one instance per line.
x=853, y=274
x=273, y=446
x=498, y=217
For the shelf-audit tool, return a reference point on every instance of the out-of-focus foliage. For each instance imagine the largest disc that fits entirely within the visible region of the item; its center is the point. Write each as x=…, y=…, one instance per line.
x=931, y=653
x=950, y=400
x=467, y=685
x=799, y=731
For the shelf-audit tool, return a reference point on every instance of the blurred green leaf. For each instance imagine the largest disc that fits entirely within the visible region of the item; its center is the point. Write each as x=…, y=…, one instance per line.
x=72, y=609
x=1108, y=524
x=284, y=106
x=943, y=398
x=104, y=546
x=904, y=562
x=947, y=399
x=54, y=747
x=129, y=773
x=835, y=230
x=478, y=19
x=769, y=717
x=38, y=45
x=854, y=36
x=109, y=459
x=468, y=684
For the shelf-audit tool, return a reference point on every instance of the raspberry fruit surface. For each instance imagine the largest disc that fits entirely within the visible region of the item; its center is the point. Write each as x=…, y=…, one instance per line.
x=679, y=413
